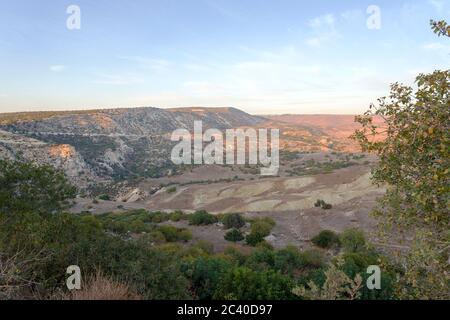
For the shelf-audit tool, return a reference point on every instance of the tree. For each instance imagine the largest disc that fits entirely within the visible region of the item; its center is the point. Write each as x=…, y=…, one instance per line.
x=202, y=217
x=414, y=163
x=245, y=284
x=326, y=239
x=233, y=220
x=440, y=28
x=25, y=187
x=337, y=286
x=260, y=229
x=205, y=274
x=353, y=240
x=234, y=235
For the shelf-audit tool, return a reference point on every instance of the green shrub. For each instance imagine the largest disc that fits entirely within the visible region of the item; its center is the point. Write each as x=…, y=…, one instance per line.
x=253, y=239
x=233, y=220
x=260, y=228
x=287, y=260
x=261, y=259
x=176, y=216
x=104, y=197
x=357, y=263
x=267, y=220
x=205, y=246
x=25, y=187
x=243, y=283
x=157, y=217
x=312, y=259
x=152, y=238
x=205, y=274
x=264, y=244
x=173, y=234
x=171, y=189
x=353, y=240
x=202, y=217
x=319, y=203
x=234, y=235
x=326, y=239
x=184, y=235
x=322, y=204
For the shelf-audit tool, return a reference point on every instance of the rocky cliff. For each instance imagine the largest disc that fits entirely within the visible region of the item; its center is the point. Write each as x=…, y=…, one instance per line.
x=113, y=144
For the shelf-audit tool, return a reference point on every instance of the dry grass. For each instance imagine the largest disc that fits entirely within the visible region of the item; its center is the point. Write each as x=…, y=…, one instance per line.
x=101, y=287
x=16, y=276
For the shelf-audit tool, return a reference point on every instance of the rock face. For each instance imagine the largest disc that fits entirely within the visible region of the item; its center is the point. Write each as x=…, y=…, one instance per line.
x=92, y=146
x=61, y=156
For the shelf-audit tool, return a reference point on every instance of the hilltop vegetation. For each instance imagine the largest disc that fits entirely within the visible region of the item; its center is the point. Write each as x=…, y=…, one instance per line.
x=13, y=117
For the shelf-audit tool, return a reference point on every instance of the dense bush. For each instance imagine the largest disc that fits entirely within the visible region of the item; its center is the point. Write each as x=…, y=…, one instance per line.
x=104, y=197
x=326, y=239
x=206, y=274
x=233, y=220
x=253, y=239
x=171, y=189
x=356, y=263
x=353, y=240
x=177, y=216
x=261, y=259
x=312, y=259
x=322, y=204
x=260, y=228
x=25, y=187
x=288, y=260
x=172, y=234
x=246, y=284
x=157, y=217
x=234, y=235
x=202, y=217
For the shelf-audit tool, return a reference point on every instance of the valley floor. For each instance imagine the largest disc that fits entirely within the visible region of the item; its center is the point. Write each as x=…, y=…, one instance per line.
x=289, y=199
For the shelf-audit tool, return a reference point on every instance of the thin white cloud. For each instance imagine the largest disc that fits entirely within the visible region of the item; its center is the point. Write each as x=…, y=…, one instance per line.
x=58, y=68
x=435, y=46
x=116, y=79
x=324, y=30
x=148, y=63
x=3, y=95
x=321, y=21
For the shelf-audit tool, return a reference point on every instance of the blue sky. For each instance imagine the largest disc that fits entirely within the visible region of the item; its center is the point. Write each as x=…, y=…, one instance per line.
x=284, y=56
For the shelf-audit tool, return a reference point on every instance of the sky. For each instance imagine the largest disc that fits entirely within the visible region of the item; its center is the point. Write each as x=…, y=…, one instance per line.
x=263, y=57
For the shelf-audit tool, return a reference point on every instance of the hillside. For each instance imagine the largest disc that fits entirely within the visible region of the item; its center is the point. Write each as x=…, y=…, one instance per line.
x=123, y=144
x=107, y=144
x=333, y=131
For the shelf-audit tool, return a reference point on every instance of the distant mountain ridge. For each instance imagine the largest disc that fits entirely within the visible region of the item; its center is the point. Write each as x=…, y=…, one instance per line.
x=107, y=144
x=132, y=121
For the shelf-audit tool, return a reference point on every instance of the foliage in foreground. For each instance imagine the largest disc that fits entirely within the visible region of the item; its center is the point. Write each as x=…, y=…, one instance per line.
x=133, y=256
x=138, y=255
x=414, y=164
